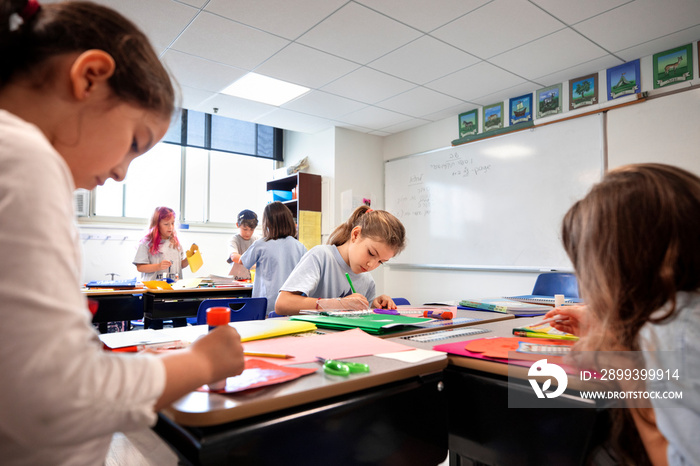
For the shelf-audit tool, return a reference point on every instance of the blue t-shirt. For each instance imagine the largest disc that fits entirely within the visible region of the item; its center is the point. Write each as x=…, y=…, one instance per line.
x=321, y=274
x=274, y=260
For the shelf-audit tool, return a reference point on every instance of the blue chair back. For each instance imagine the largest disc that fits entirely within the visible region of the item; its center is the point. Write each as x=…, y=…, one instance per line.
x=241, y=308
x=401, y=301
x=549, y=284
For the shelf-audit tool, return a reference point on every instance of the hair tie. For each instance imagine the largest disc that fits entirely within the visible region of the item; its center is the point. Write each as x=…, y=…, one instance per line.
x=29, y=10
x=369, y=210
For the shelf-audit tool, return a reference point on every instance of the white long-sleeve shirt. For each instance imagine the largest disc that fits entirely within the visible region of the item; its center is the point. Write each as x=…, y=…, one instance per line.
x=61, y=395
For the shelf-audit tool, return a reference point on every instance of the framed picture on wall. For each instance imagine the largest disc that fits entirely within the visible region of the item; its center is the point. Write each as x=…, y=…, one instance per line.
x=673, y=66
x=623, y=80
x=493, y=117
x=520, y=109
x=549, y=101
x=583, y=91
x=469, y=123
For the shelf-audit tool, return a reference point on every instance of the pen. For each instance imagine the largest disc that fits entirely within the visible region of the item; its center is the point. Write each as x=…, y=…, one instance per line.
x=549, y=321
x=268, y=355
x=392, y=312
x=347, y=275
x=519, y=333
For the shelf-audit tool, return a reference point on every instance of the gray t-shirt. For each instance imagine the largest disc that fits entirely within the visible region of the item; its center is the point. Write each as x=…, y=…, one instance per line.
x=166, y=252
x=675, y=345
x=274, y=260
x=321, y=274
x=238, y=245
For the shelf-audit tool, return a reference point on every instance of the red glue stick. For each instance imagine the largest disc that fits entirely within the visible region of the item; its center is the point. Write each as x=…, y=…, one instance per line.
x=218, y=316
x=445, y=315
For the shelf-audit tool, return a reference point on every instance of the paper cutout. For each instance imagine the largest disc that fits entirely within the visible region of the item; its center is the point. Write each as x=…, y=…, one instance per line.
x=338, y=345
x=259, y=373
x=194, y=258
x=157, y=285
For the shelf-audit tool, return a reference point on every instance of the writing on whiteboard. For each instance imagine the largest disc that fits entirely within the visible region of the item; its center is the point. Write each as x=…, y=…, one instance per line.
x=414, y=204
x=456, y=165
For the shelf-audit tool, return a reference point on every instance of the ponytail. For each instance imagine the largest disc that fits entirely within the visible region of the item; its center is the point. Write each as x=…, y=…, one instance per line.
x=378, y=225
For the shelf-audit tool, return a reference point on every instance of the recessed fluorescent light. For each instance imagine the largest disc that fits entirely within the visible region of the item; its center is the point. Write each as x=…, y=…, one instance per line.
x=264, y=89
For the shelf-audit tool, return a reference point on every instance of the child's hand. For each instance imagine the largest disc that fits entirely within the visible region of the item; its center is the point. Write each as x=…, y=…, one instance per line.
x=165, y=264
x=573, y=319
x=383, y=302
x=221, y=351
x=355, y=301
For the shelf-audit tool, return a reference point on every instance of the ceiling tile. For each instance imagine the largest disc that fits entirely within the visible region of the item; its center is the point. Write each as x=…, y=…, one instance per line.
x=246, y=47
x=640, y=21
x=359, y=34
x=192, y=97
x=374, y=118
x=295, y=121
x=423, y=15
x=659, y=45
x=418, y=101
x=497, y=27
x=367, y=85
x=288, y=19
x=234, y=107
x=305, y=66
x=161, y=20
x=571, y=11
x=324, y=105
x=196, y=72
x=603, y=63
x=550, y=54
x=475, y=81
x=397, y=128
x=451, y=111
x=505, y=94
x=435, y=57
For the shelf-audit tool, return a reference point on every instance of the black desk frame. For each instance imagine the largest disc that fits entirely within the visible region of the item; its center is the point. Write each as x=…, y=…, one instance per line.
x=404, y=422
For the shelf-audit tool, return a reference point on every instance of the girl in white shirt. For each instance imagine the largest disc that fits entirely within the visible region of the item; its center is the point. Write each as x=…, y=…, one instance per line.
x=82, y=93
x=160, y=251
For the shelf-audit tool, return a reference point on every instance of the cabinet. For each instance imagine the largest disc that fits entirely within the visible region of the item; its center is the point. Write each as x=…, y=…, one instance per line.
x=305, y=207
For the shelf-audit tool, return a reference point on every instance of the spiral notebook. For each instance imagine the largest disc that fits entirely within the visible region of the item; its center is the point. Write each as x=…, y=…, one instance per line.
x=445, y=334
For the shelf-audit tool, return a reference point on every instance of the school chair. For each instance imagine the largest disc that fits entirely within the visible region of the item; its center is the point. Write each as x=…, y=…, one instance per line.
x=549, y=284
x=241, y=308
x=401, y=301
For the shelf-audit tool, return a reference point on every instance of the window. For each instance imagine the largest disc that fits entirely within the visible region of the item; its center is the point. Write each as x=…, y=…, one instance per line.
x=221, y=169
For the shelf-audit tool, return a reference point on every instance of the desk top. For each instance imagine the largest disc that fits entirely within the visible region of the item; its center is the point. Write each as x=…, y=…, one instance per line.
x=482, y=316
x=112, y=291
x=206, y=409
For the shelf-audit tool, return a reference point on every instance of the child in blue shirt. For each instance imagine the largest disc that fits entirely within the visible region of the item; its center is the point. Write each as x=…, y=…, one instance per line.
x=367, y=240
x=274, y=255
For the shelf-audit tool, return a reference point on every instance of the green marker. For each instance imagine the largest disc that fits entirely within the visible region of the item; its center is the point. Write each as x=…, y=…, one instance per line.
x=347, y=275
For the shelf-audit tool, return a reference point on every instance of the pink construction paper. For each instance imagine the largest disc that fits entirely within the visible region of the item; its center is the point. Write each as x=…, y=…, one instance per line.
x=338, y=345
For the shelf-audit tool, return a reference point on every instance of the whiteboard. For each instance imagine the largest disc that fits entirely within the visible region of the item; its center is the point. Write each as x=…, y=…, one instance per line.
x=663, y=130
x=496, y=203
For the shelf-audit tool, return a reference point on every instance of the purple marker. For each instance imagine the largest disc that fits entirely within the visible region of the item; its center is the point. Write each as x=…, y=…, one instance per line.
x=392, y=312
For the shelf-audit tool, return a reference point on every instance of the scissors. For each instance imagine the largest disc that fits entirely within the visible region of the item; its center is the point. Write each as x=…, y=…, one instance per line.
x=343, y=368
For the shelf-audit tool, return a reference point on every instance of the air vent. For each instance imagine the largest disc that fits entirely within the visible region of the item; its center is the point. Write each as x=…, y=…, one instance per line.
x=81, y=202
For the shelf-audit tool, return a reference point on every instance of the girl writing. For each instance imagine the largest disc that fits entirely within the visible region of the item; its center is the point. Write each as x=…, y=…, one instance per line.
x=634, y=243
x=275, y=255
x=360, y=245
x=160, y=252
x=82, y=93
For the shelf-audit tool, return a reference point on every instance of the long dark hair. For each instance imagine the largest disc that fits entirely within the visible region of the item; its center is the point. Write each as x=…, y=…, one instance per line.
x=634, y=241
x=278, y=222
x=60, y=28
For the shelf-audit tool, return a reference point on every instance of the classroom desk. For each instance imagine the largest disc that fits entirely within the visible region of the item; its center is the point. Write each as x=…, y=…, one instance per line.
x=116, y=305
x=396, y=414
x=162, y=305
x=484, y=430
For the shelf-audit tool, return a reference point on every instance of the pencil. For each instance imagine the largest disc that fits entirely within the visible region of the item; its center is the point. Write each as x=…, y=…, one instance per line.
x=268, y=355
x=347, y=275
